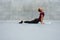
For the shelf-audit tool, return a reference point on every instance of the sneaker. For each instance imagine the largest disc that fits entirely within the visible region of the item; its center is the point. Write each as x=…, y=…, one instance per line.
x=21, y=22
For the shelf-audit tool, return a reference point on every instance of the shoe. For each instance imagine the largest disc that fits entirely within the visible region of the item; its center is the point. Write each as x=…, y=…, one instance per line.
x=21, y=22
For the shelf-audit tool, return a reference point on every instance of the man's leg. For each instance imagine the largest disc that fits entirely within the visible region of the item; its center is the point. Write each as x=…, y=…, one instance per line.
x=33, y=21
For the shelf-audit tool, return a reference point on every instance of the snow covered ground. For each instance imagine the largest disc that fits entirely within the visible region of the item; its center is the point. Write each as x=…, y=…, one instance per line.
x=12, y=30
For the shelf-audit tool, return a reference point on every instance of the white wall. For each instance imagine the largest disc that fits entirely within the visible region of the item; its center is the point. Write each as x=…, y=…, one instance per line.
x=27, y=9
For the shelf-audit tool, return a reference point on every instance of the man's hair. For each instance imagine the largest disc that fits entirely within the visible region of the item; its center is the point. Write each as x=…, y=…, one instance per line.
x=39, y=9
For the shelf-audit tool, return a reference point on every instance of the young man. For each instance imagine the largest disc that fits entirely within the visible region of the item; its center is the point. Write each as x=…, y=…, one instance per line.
x=37, y=20
x=41, y=16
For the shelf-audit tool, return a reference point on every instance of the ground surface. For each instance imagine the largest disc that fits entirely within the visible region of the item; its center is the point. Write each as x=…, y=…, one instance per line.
x=11, y=30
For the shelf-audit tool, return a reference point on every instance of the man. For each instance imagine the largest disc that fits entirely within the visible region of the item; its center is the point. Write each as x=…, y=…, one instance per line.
x=37, y=20
x=41, y=16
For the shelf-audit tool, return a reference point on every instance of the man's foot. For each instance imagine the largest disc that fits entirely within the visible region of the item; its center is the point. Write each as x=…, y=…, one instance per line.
x=21, y=22
x=42, y=23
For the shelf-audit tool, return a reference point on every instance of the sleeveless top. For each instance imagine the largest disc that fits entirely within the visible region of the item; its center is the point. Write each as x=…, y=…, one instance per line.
x=42, y=13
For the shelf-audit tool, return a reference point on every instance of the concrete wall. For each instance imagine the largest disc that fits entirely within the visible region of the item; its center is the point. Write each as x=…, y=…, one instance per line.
x=27, y=9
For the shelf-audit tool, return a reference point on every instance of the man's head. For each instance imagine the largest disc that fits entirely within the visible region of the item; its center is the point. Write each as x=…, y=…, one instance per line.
x=40, y=10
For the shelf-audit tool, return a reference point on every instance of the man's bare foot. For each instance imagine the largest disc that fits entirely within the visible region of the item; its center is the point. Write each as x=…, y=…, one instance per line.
x=42, y=23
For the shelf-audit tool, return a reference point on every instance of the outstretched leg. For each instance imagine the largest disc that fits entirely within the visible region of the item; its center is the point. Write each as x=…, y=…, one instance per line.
x=32, y=21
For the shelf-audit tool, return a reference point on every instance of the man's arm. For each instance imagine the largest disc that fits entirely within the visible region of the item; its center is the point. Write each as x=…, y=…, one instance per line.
x=42, y=17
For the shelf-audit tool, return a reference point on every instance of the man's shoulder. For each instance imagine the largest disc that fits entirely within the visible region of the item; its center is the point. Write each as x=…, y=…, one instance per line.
x=41, y=12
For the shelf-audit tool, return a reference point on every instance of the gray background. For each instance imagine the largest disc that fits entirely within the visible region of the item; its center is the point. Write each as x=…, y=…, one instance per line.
x=27, y=9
